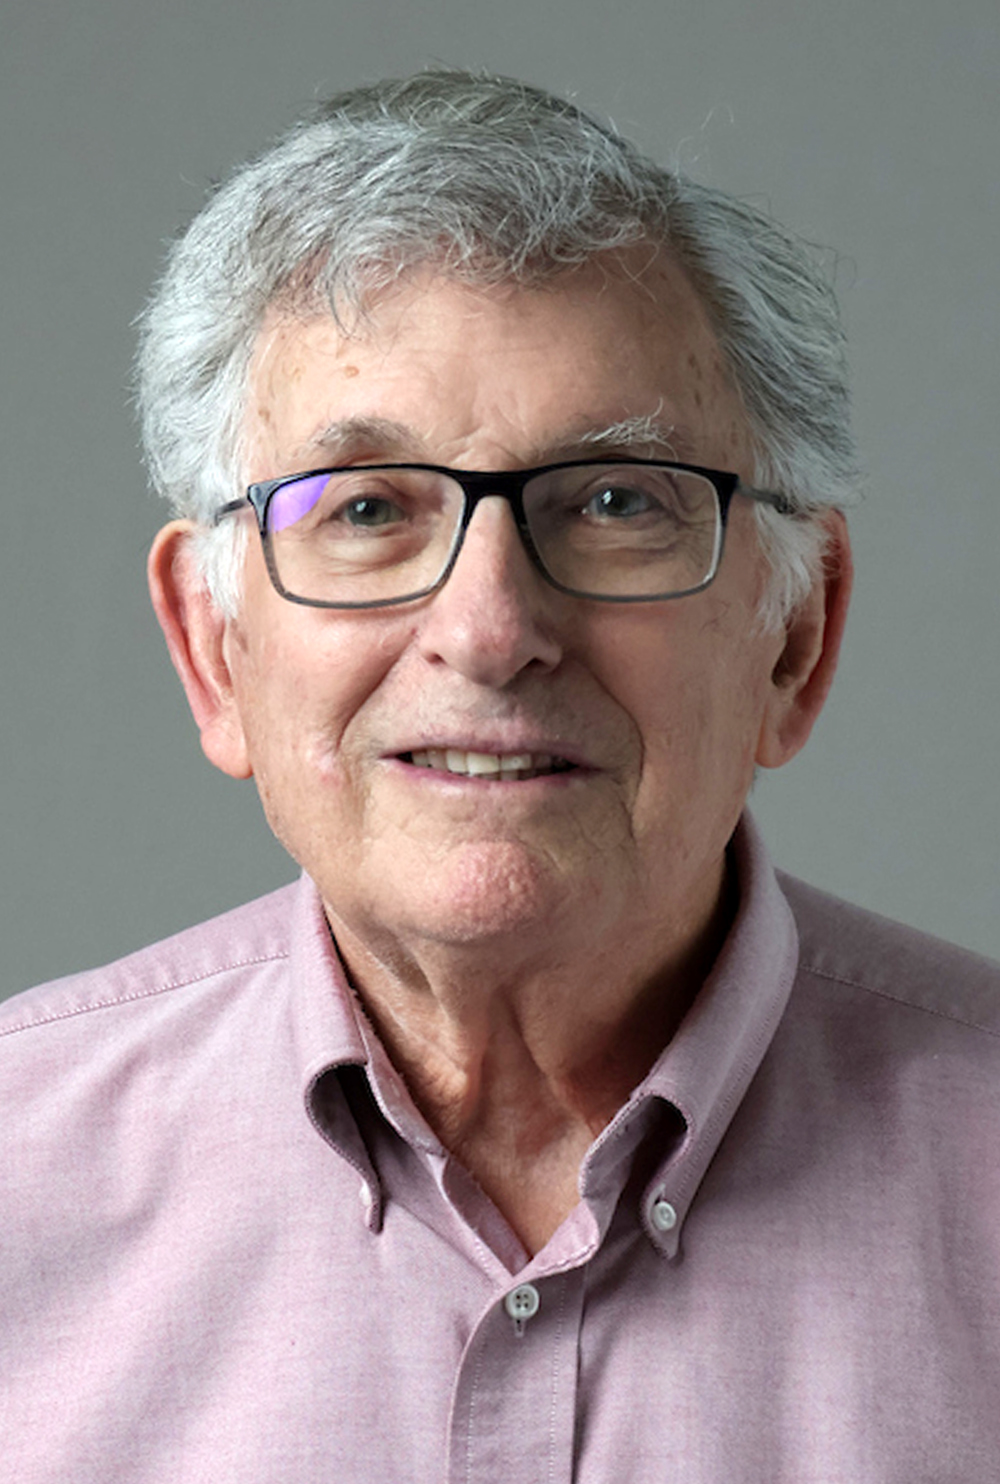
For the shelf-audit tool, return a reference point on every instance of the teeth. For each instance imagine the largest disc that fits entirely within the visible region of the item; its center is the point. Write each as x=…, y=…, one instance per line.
x=515, y=762
x=508, y=765
x=480, y=763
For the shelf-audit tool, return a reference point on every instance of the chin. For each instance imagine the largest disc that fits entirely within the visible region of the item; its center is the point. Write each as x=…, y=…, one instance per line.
x=486, y=891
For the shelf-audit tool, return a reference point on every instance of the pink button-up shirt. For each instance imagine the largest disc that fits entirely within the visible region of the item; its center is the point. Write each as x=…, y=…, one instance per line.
x=232, y=1250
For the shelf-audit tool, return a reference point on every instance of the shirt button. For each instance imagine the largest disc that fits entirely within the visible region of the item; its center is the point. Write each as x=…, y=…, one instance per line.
x=663, y=1215
x=522, y=1302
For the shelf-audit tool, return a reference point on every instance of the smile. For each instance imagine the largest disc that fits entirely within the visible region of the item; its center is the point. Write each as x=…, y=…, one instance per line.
x=493, y=767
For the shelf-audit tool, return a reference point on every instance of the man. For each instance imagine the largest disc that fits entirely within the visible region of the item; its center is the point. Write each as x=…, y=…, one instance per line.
x=538, y=1132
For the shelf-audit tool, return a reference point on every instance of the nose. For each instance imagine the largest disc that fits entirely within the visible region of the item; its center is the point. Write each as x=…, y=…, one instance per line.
x=495, y=616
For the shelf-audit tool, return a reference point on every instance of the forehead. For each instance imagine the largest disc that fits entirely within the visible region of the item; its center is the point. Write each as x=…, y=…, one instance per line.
x=445, y=371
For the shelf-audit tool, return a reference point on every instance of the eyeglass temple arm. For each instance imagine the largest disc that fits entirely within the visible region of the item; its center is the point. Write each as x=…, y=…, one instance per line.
x=781, y=503
x=230, y=508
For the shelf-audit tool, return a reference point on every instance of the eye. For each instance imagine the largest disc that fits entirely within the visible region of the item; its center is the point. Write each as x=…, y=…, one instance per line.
x=340, y=502
x=620, y=502
x=369, y=503
x=368, y=512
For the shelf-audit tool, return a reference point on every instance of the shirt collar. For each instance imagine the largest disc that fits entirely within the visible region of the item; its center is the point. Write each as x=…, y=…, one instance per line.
x=703, y=1073
x=706, y=1069
x=328, y=1037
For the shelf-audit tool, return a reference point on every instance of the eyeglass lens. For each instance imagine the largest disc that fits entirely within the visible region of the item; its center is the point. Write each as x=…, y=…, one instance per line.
x=370, y=535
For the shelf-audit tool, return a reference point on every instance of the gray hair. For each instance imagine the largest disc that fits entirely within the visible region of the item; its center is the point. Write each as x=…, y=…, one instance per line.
x=492, y=181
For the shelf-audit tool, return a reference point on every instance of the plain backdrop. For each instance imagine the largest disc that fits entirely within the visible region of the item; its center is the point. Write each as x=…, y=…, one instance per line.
x=869, y=126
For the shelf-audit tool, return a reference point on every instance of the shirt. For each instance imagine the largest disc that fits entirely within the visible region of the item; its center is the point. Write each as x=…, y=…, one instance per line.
x=232, y=1249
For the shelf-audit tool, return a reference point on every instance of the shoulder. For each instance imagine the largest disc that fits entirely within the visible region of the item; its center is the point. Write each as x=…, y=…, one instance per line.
x=854, y=953
x=255, y=934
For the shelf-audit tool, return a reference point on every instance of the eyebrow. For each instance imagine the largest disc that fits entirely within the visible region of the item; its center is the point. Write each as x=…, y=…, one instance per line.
x=379, y=437
x=632, y=434
x=364, y=437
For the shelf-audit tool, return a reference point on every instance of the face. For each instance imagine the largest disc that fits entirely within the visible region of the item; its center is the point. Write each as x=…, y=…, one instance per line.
x=655, y=712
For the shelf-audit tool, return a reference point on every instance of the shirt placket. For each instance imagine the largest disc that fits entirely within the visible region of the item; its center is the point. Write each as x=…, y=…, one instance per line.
x=514, y=1401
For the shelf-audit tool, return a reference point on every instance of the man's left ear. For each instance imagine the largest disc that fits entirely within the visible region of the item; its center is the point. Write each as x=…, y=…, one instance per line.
x=196, y=635
x=801, y=679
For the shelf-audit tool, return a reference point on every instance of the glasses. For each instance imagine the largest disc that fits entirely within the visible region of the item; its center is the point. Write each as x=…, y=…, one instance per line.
x=623, y=531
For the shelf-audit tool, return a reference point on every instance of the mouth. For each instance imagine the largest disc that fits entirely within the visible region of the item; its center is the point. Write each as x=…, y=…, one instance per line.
x=489, y=767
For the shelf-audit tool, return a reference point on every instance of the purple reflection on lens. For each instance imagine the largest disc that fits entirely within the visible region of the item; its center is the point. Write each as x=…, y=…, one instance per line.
x=292, y=501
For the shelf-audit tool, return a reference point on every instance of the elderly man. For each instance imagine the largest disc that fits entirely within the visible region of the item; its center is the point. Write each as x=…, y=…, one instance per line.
x=539, y=1132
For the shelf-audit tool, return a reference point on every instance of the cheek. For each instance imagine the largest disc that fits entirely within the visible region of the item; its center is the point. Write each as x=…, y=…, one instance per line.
x=302, y=684
x=292, y=725
x=696, y=693
x=698, y=767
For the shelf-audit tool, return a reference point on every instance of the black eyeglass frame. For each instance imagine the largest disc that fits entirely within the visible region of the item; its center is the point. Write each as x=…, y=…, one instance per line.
x=509, y=485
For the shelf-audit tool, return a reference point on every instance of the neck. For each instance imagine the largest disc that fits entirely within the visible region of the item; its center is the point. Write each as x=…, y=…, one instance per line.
x=519, y=1053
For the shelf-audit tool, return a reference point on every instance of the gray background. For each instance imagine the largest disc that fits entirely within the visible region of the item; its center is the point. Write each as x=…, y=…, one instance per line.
x=868, y=125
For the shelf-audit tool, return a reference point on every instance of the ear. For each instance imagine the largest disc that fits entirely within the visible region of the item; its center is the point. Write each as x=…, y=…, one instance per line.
x=195, y=631
x=805, y=669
